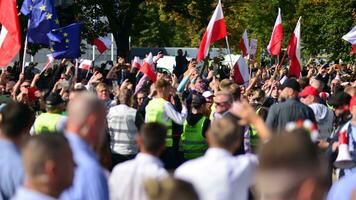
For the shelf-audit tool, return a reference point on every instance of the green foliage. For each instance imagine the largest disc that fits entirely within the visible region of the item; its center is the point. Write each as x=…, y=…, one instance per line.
x=181, y=23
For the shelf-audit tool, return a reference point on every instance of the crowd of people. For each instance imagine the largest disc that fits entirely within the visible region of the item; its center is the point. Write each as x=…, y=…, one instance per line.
x=112, y=133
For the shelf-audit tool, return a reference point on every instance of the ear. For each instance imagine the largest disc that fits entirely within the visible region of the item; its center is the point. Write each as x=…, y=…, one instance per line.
x=306, y=190
x=50, y=168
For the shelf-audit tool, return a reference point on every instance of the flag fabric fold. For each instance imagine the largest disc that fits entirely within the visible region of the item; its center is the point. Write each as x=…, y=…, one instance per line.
x=275, y=44
x=351, y=37
x=10, y=38
x=42, y=19
x=293, y=51
x=241, y=72
x=147, y=68
x=102, y=43
x=244, y=44
x=65, y=42
x=215, y=31
x=85, y=64
x=137, y=62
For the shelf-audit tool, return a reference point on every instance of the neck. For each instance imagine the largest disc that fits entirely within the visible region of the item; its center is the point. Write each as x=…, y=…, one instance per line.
x=16, y=140
x=42, y=188
x=157, y=154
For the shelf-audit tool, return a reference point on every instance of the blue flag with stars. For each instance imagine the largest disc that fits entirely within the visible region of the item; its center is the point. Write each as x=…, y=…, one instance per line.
x=65, y=42
x=42, y=19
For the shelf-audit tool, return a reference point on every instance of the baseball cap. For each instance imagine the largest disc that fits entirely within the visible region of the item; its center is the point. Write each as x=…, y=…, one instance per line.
x=207, y=94
x=339, y=99
x=309, y=90
x=353, y=102
x=290, y=83
x=54, y=99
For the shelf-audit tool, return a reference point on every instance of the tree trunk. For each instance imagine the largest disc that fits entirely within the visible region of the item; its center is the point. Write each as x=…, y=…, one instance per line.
x=121, y=24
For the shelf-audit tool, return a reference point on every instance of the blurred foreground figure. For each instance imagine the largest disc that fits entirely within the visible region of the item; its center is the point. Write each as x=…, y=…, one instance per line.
x=290, y=169
x=170, y=189
x=49, y=167
x=127, y=179
x=15, y=123
x=218, y=174
x=85, y=131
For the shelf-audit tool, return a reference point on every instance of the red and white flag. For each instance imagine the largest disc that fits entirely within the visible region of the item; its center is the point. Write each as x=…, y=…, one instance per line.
x=137, y=62
x=10, y=39
x=147, y=68
x=215, y=31
x=244, y=44
x=102, y=43
x=85, y=64
x=294, y=52
x=253, y=47
x=275, y=44
x=351, y=37
x=241, y=72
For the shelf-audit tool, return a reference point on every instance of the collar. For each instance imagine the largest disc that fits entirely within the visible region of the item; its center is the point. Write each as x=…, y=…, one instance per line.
x=9, y=145
x=218, y=152
x=145, y=157
x=78, y=144
x=26, y=193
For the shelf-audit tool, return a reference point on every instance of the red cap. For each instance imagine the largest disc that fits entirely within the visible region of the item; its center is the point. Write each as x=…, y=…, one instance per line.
x=309, y=90
x=353, y=102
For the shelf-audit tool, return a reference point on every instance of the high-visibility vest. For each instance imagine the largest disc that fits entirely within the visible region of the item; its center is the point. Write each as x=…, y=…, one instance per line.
x=154, y=113
x=254, y=138
x=192, y=141
x=46, y=122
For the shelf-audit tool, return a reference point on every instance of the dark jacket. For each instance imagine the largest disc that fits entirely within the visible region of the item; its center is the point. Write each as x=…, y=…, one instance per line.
x=290, y=110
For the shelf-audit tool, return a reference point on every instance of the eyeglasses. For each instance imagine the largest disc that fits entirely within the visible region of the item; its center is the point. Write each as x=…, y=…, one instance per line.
x=102, y=91
x=25, y=86
x=220, y=103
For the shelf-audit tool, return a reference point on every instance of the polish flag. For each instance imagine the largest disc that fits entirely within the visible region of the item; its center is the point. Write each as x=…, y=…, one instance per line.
x=147, y=68
x=102, y=43
x=293, y=51
x=244, y=44
x=241, y=72
x=215, y=31
x=137, y=62
x=85, y=64
x=10, y=39
x=275, y=44
x=351, y=37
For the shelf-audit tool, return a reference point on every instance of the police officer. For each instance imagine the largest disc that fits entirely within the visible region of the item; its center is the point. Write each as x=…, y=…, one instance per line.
x=193, y=141
x=52, y=120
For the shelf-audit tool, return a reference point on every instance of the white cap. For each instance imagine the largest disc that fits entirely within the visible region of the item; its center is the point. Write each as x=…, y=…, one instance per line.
x=207, y=94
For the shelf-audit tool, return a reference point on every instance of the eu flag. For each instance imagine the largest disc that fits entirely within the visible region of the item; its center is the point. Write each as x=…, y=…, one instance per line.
x=65, y=41
x=43, y=18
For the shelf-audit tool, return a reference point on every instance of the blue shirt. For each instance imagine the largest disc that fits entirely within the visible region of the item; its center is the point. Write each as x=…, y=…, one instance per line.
x=89, y=181
x=344, y=188
x=11, y=169
x=28, y=194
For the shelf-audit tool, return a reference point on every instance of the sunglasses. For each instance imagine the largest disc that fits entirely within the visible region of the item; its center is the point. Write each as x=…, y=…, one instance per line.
x=25, y=86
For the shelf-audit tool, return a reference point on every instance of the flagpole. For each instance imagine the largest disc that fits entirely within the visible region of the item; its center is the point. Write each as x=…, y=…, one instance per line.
x=228, y=51
x=25, y=49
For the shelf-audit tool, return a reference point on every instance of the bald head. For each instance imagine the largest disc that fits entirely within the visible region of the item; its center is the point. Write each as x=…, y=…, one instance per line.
x=87, y=118
x=80, y=107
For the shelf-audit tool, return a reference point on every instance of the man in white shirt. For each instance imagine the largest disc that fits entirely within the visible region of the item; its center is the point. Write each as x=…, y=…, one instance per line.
x=127, y=179
x=123, y=123
x=219, y=174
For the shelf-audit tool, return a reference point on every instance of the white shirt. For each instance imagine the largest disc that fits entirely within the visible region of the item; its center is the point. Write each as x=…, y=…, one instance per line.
x=126, y=180
x=219, y=174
